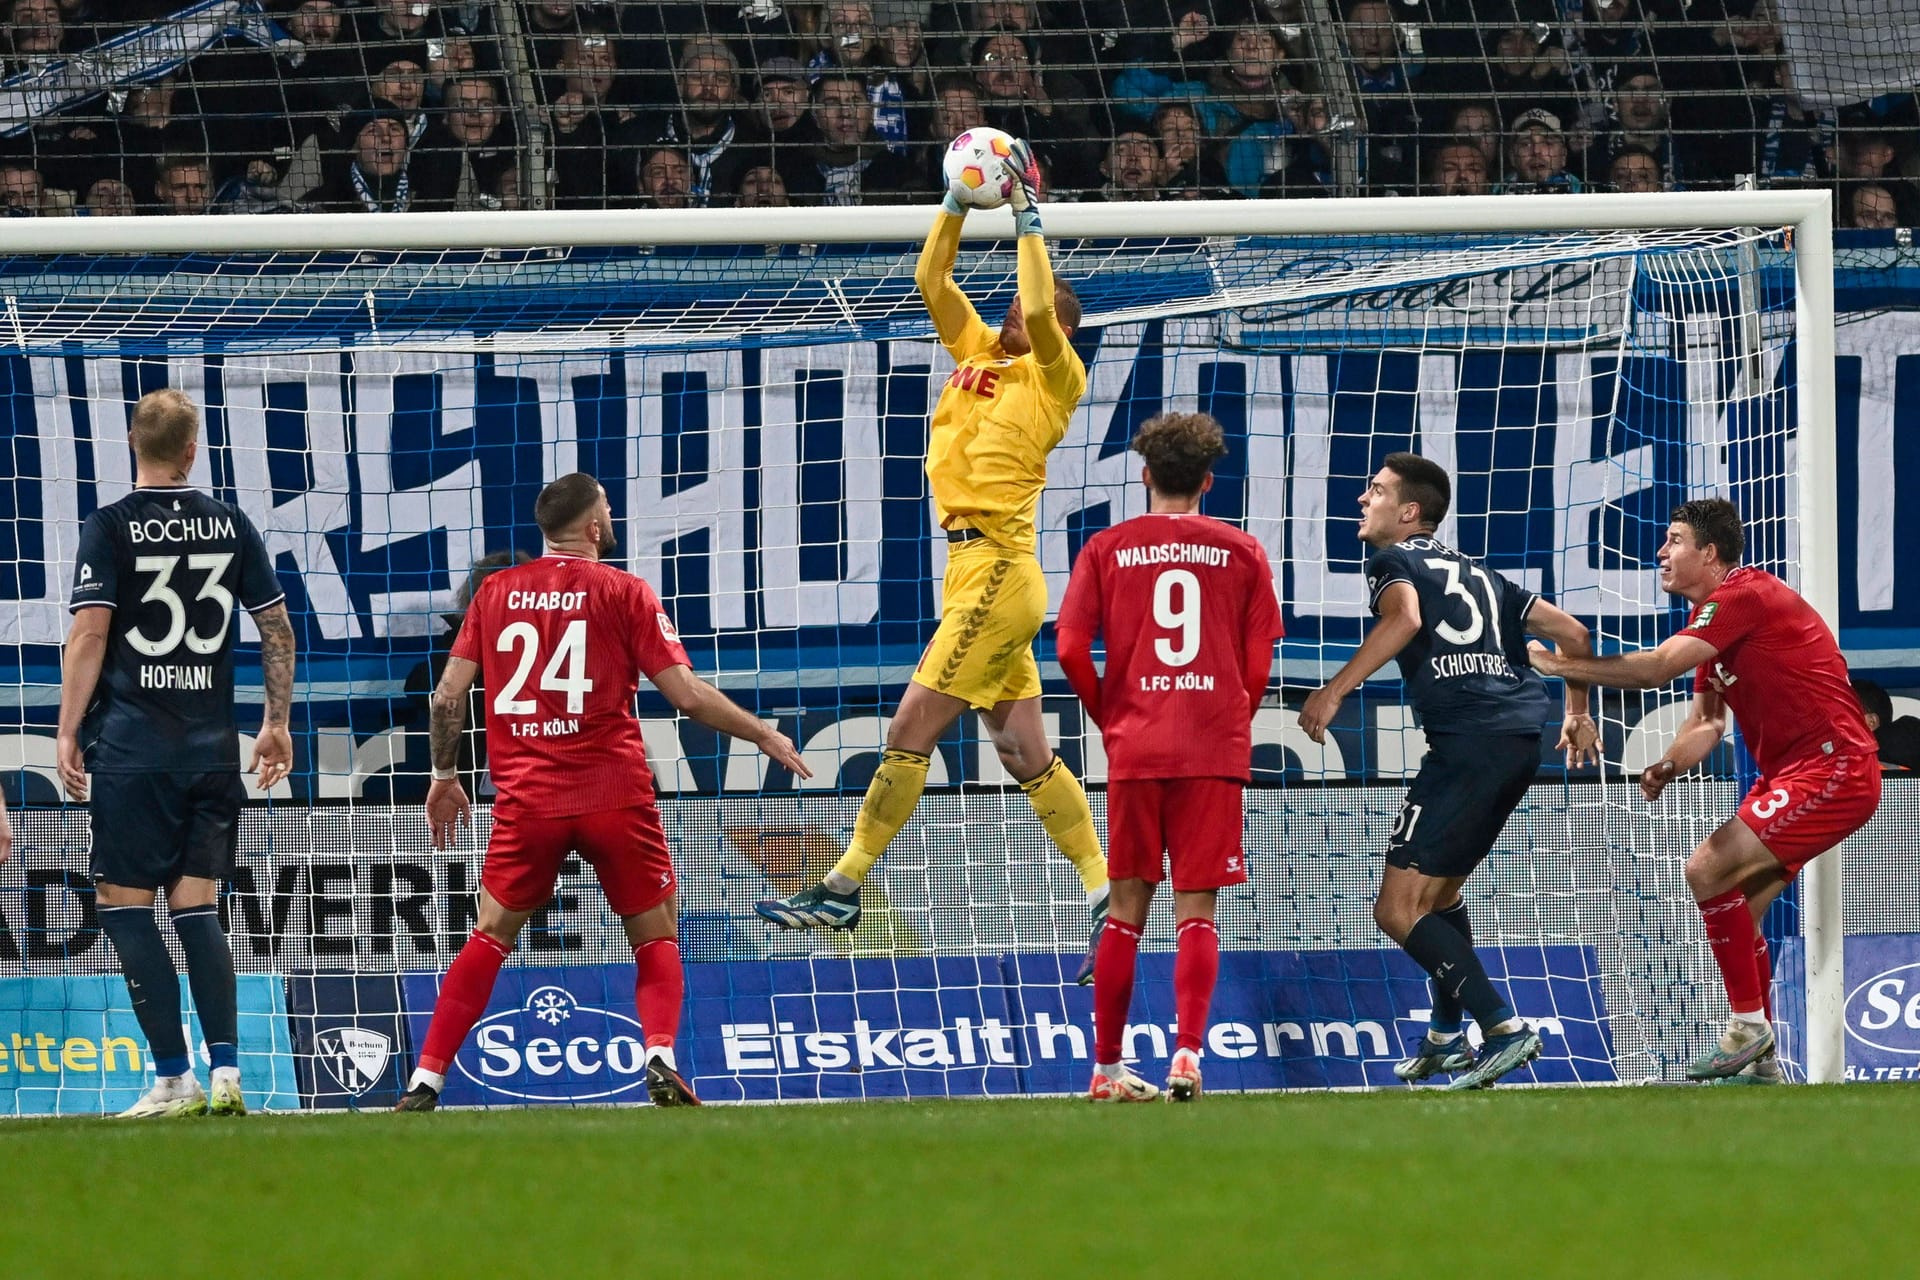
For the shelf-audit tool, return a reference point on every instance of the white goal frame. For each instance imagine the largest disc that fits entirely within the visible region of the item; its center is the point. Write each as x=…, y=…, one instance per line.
x=1807, y=213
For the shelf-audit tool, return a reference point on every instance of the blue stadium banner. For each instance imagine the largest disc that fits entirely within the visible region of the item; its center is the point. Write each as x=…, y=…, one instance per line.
x=1006, y=1025
x=1882, y=1005
x=72, y=1046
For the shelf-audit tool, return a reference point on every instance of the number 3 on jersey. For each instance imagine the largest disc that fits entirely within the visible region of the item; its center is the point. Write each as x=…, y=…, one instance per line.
x=565, y=672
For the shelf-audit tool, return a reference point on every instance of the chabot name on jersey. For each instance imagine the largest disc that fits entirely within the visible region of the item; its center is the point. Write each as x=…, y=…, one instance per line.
x=563, y=600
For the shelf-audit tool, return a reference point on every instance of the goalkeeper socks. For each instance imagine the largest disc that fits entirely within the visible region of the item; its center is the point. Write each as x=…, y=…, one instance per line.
x=463, y=998
x=1058, y=799
x=1456, y=971
x=153, y=984
x=1113, y=987
x=1763, y=963
x=1444, y=1022
x=1733, y=937
x=659, y=990
x=890, y=801
x=1196, y=967
x=210, y=976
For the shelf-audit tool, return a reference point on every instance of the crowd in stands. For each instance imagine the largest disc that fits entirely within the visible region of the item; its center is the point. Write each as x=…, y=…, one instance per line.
x=263, y=106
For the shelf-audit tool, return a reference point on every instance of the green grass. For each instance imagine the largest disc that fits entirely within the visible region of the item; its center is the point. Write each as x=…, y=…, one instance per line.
x=1628, y=1182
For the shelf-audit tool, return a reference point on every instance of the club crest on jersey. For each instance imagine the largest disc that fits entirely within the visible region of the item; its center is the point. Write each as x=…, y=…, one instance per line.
x=354, y=1056
x=1707, y=611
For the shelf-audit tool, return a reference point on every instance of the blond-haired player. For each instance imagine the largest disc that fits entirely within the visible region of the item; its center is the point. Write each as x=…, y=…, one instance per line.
x=1004, y=409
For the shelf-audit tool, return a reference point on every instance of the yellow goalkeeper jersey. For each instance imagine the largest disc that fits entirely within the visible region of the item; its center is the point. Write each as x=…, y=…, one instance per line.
x=999, y=416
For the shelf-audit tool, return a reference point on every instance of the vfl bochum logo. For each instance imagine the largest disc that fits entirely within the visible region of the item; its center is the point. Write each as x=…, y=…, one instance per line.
x=353, y=1056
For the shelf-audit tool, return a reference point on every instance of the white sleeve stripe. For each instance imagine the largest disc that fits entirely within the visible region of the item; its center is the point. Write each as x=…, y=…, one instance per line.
x=1374, y=599
x=257, y=608
x=78, y=605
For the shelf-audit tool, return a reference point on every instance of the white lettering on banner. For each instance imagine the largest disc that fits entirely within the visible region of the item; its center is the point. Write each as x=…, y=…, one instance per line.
x=1583, y=486
x=715, y=503
x=1077, y=476
x=787, y=599
x=1317, y=590
x=297, y=527
x=448, y=503
x=759, y=1046
x=554, y=391
x=1879, y=343
x=830, y=750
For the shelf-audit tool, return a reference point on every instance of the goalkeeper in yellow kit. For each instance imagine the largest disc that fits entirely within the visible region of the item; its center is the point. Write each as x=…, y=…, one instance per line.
x=1003, y=410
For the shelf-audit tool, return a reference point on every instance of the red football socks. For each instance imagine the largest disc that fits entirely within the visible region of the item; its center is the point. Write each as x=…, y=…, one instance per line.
x=1763, y=961
x=463, y=998
x=1113, y=987
x=1734, y=939
x=659, y=989
x=1196, y=967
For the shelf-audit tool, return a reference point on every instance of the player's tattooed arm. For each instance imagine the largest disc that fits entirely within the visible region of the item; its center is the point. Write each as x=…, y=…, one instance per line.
x=276, y=662
x=448, y=713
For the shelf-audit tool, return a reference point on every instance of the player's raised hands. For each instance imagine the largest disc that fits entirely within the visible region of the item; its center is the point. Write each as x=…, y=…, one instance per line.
x=1655, y=777
x=1580, y=739
x=1026, y=177
x=447, y=810
x=272, y=756
x=1319, y=712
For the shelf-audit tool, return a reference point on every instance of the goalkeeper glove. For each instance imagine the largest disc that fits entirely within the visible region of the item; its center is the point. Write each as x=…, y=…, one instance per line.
x=1025, y=196
x=951, y=203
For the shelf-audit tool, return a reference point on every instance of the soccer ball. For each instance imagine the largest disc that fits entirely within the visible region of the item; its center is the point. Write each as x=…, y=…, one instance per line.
x=979, y=168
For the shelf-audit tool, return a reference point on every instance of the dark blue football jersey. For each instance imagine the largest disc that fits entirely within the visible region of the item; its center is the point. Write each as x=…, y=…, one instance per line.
x=171, y=564
x=1467, y=670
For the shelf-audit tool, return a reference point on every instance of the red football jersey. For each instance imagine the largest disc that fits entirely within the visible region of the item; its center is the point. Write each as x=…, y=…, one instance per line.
x=561, y=643
x=1780, y=671
x=1180, y=600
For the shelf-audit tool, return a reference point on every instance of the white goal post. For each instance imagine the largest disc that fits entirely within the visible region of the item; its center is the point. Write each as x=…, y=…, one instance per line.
x=1806, y=215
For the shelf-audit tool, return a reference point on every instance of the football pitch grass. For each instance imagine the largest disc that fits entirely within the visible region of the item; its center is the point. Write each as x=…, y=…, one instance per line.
x=1598, y=1182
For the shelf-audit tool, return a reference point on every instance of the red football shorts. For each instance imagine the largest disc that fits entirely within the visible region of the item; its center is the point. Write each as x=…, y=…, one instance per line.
x=1195, y=822
x=627, y=849
x=1811, y=806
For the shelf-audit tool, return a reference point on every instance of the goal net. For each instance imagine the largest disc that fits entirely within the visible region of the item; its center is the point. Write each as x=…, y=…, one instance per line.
x=758, y=416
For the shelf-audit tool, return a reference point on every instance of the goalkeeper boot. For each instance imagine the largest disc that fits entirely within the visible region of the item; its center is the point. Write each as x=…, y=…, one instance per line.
x=1183, y=1077
x=170, y=1096
x=667, y=1087
x=815, y=908
x=1434, y=1057
x=422, y=1097
x=1499, y=1056
x=226, y=1099
x=1741, y=1044
x=1084, y=977
x=1118, y=1083
x=1764, y=1069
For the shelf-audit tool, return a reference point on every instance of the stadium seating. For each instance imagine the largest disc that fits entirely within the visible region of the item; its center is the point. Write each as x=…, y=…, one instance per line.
x=245, y=106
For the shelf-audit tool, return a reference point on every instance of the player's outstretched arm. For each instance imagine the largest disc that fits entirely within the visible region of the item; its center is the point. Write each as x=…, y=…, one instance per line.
x=1705, y=725
x=696, y=699
x=447, y=806
x=79, y=676
x=1035, y=269
x=1644, y=669
x=273, y=748
x=962, y=332
x=1399, y=623
x=1579, y=735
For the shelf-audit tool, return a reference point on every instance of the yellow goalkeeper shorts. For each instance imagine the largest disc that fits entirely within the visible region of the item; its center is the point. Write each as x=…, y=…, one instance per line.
x=992, y=604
